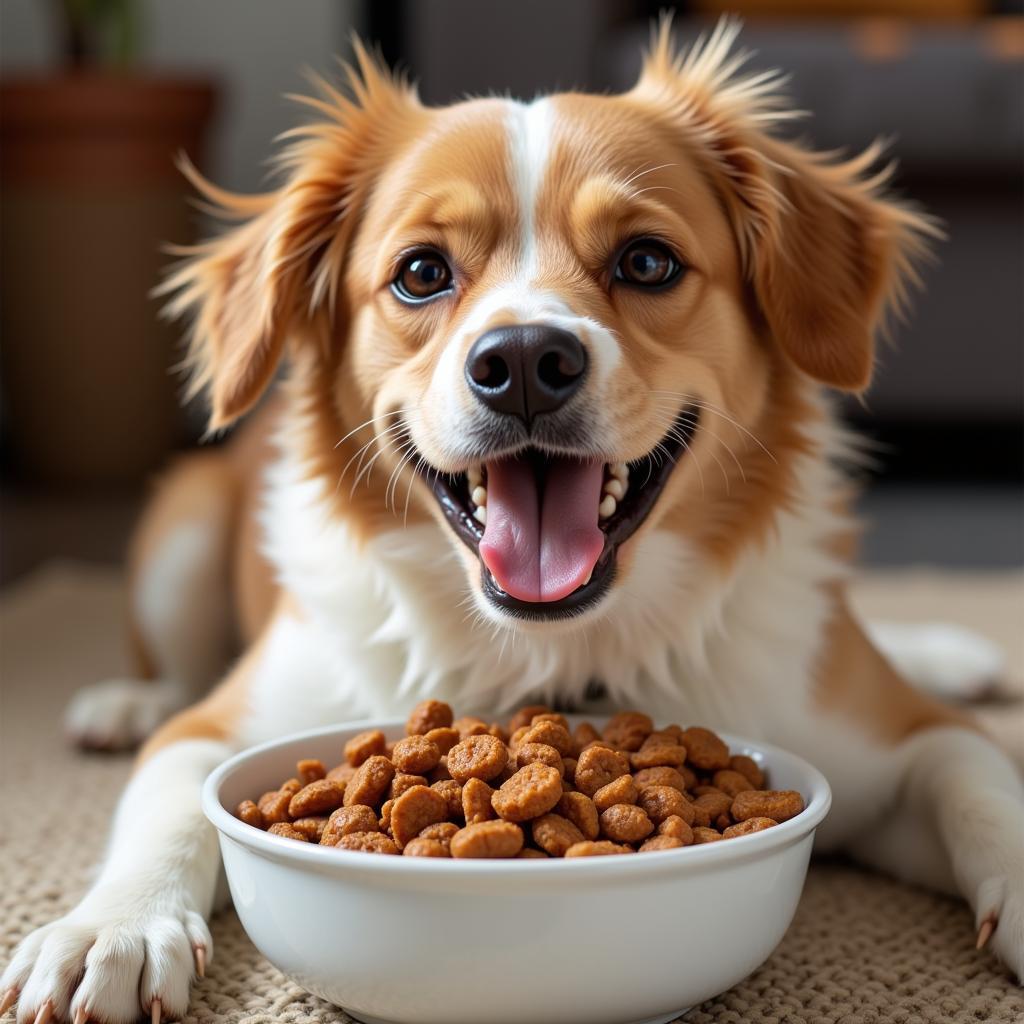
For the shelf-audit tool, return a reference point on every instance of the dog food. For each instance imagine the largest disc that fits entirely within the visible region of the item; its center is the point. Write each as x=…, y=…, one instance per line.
x=464, y=788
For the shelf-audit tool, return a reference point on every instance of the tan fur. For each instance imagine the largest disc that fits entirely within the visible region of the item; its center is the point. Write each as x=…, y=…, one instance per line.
x=792, y=262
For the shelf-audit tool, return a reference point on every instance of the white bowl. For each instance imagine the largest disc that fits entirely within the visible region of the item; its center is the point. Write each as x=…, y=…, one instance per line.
x=605, y=940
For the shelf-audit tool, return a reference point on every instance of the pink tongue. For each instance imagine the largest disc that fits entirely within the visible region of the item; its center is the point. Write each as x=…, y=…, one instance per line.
x=542, y=547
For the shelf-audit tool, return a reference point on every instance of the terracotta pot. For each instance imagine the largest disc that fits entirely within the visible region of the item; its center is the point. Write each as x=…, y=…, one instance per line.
x=88, y=194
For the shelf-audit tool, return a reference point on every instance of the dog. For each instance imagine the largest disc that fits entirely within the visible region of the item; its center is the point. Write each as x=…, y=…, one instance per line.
x=554, y=425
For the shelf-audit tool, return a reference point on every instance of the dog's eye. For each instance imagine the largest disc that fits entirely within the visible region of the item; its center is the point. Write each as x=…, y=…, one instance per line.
x=422, y=276
x=647, y=263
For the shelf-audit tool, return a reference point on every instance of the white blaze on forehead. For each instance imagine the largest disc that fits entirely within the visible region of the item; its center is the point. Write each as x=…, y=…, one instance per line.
x=530, y=129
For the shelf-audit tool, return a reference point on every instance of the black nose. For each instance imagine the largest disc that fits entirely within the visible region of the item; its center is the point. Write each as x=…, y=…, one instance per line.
x=526, y=369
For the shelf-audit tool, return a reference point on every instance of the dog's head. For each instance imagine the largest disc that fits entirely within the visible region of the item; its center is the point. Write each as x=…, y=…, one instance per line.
x=559, y=325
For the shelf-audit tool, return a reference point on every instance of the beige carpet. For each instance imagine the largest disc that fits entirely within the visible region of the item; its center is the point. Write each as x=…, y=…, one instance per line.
x=861, y=950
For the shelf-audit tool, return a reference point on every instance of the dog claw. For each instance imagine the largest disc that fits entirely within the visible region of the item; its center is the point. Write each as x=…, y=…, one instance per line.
x=985, y=930
x=200, y=954
x=154, y=1011
x=9, y=999
x=45, y=1013
x=81, y=1015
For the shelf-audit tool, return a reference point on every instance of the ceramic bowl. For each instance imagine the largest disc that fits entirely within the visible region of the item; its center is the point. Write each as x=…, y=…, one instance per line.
x=602, y=940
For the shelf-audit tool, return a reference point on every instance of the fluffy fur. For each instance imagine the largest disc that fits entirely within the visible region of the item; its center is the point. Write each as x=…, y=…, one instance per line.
x=353, y=595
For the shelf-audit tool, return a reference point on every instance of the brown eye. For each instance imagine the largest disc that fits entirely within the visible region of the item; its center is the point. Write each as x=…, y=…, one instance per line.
x=421, y=277
x=648, y=264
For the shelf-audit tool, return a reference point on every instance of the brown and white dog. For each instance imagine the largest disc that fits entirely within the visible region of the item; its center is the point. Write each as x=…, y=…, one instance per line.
x=554, y=416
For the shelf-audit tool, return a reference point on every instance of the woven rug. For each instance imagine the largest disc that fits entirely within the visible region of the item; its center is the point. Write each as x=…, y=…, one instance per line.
x=862, y=949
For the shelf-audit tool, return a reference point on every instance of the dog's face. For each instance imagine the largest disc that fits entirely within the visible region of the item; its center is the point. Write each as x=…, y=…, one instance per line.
x=568, y=323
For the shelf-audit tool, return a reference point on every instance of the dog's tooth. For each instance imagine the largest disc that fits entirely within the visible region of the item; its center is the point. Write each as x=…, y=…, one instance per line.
x=607, y=507
x=475, y=476
x=588, y=579
x=615, y=488
x=480, y=515
x=619, y=470
x=479, y=495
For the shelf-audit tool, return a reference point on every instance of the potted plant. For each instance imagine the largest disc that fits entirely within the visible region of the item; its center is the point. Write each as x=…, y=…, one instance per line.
x=88, y=194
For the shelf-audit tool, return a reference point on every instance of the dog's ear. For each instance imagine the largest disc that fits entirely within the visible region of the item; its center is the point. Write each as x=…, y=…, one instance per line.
x=826, y=252
x=272, y=279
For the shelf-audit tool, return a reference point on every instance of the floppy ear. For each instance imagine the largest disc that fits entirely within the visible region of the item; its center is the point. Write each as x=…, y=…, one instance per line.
x=826, y=252
x=262, y=284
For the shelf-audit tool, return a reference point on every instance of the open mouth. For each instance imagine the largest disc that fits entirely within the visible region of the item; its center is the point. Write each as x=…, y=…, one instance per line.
x=546, y=527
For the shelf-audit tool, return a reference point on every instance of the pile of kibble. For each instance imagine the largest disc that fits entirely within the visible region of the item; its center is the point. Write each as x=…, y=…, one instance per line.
x=466, y=788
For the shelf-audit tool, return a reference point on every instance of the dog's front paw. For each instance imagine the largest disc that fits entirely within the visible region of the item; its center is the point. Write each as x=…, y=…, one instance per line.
x=111, y=960
x=120, y=713
x=999, y=918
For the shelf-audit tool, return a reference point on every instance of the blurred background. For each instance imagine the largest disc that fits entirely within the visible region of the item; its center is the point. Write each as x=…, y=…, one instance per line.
x=98, y=95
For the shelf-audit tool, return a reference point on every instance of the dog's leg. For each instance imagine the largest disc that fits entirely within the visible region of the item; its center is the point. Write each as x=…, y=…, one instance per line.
x=944, y=659
x=921, y=792
x=180, y=612
x=959, y=824
x=139, y=935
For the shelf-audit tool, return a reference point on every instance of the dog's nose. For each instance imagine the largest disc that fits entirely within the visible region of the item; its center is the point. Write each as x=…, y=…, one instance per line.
x=526, y=369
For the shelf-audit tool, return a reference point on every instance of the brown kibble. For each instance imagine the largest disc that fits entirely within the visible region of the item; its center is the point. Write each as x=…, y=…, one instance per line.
x=619, y=791
x=427, y=715
x=689, y=777
x=705, y=750
x=627, y=730
x=385, y=816
x=444, y=738
x=318, y=797
x=414, y=810
x=498, y=731
x=531, y=792
x=583, y=734
x=452, y=792
x=529, y=853
x=596, y=767
x=731, y=783
x=745, y=828
x=658, y=755
x=555, y=834
x=551, y=716
x=701, y=817
x=528, y=753
x=550, y=733
x=661, y=843
x=569, y=768
x=419, y=847
x=582, y=812
x=601, y=848
x=477, y=757
x=517, y=737
x=366, y=744
x=476, y=801
x=662, y=776
x=778, y=804
x=677, y=827
x=341, y=773
x=292, y=786
x=661, y=802
x=749, y=769
x=440, y=773
x=401, y=782
x=715, y=803
x=274, y=807
x=286, y=831
x=626, y=823
x=469, y=726
x=415, y=755
x=487, y=839
x=250, y=814
x=311, y=828
x=309, y=770
x=346, y=820
x=442, y=832
x=371, y=781
x=368, y=842
x=525, y=716
x=705, y=835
